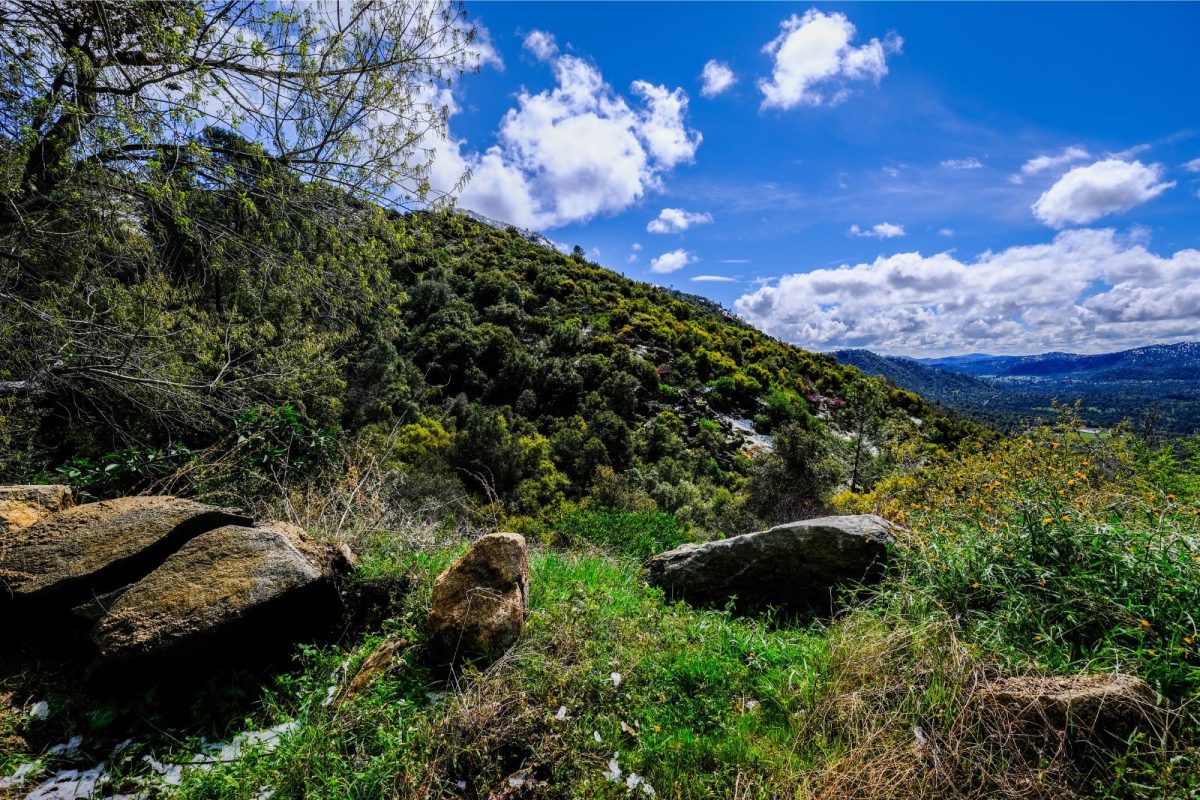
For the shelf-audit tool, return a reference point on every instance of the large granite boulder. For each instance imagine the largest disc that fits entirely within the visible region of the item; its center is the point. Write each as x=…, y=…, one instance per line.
x=801, y=563
x=91, y=550
x=480, y=601
x=21, y=506
x=233, y=587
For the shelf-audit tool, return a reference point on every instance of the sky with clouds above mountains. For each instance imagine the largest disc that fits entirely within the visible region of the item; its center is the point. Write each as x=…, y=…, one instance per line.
x=921, y=179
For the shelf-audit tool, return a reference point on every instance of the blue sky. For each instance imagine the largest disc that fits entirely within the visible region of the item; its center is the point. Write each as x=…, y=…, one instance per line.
x=912, y=178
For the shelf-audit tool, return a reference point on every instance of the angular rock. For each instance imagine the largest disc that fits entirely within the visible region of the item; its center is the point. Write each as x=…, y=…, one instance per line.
x=90, y=550
x=480, y=601
x=1085, y=711
x=800, y=563
x=21, y=506
x=230, y=588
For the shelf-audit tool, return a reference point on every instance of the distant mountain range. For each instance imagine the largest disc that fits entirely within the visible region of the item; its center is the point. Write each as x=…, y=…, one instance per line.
x=1156, y=386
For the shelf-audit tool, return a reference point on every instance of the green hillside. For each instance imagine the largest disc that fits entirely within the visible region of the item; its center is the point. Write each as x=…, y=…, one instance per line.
x=510, y=371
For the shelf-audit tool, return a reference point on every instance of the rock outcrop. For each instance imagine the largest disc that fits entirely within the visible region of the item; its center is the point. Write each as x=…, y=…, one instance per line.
x=93, y=549
x=21, y=506
x=480, y=601
x=802, y=563
x=230, y=587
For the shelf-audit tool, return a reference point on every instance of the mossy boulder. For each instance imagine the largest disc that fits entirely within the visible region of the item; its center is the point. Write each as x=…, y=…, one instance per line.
x=91, y=550
x=224, y=591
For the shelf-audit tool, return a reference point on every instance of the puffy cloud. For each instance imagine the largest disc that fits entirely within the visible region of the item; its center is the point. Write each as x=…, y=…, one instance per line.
x=1087, y=193
x=813, y=56
x=713, y=279
x=717, y=78
x=962, y=163
x=1193, y=165
x=946, y=232
x=1088, y=290
x=884, y=230
x=573, y=152
x=672, y=261
x=541, y=44
x=661, y=124
x=676, y=220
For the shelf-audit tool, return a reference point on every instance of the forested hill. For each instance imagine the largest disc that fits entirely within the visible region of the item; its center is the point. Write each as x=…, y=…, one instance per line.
x=465, y=350
x=1180, y=361
x=1156, y=387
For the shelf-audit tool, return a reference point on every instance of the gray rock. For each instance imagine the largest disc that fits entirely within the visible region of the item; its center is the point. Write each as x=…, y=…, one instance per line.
x=90, y=550
x=21, y=506
x=480, y=601
x=231, y=587
x=800, y=563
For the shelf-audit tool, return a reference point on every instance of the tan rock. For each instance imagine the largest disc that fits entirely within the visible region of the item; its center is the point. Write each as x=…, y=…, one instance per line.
x=1080, y=709
x=21, y=506
x=375, y=666
x=480, y=601
x=90, y=550
x=243, y=585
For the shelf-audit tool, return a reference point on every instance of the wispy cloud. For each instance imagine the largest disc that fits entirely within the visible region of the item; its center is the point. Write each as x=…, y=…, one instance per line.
x=962, y=163
x=1046, y=163
x=883, y=230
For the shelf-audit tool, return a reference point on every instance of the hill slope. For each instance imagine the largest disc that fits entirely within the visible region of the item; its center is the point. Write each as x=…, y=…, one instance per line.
x=469, y=354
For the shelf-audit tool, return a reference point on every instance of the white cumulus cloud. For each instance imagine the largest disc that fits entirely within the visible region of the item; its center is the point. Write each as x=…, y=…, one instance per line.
x=717, y=78
x=884, y=230
x=541, y=44
x=676, y=220
x=813, y=57
x=672, y=261
x=573, y=152
x=1086, y=290
x=1106, y=187
x=1193, y=165
x=713, y=279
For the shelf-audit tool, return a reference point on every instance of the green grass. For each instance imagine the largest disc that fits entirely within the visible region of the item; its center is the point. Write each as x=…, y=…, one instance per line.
x=1045, y=555
x=708, y=704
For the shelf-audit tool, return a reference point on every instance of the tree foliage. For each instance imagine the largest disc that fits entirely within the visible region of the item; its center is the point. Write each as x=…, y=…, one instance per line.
x=182, y=226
